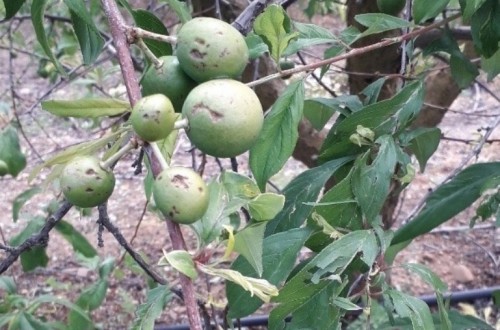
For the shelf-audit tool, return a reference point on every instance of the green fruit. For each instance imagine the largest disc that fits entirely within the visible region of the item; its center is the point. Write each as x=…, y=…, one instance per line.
x=225, y=117
x=4, y=168
x=208, y=48
x=286, y=65
x=168, y=80
x=85, y=183
x=153, y=117
x=391, y=7
x=181, y=194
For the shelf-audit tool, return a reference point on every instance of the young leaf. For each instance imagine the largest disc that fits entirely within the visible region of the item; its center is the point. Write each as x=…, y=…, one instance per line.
x=423, y=142
x=147, y=312
x=148, y=21
x=78, y=241
x=90, y=299
x=239, y=186
x=86, y=108
x=180, y=8
x=21, y=199
x=384, y=117
x=279, y=134
x=305, y=188
x=12, y=7
x=248, y=243
x=275, y=28
x=424, y=10
x=309, y=35
x=265, y=206
x=414, y=308
x=10, y=150
x=8, y=285
x=278, y=258
x=371, y=179
x=89, y=37
x=37, y=17
x=448, y=200
x=345, y=304
x=256, y=47
x=37, y=256
x=182, y=261
x=378, y=23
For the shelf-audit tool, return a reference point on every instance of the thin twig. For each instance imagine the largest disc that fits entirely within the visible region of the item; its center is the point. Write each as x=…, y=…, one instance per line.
x=39, y=239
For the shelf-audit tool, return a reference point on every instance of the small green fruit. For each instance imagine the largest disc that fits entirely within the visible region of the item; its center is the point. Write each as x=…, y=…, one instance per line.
x=391, y=7
x=208, y=48
x=4, y=168
x=85, y=183
x=153, y=117
x=168, y=80
x=181, y=194
x=286, y=65
x=225, y=117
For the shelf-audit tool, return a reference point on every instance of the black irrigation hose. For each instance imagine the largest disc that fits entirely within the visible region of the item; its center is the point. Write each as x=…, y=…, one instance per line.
x=454, y=297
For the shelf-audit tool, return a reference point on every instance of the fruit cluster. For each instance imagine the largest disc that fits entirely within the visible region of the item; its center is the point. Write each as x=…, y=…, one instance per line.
x=222, y=117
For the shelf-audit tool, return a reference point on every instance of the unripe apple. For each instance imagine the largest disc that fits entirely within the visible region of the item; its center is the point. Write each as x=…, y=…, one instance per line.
x=208, y=48
x=85, y=183
x=181, y=194
x=225, y=117
x=153, y=117
x=169, y=80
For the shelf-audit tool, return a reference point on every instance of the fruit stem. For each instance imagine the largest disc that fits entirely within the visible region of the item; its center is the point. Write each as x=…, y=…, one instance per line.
x=149, y=54
x=182, y=123
x=141, y=33
x=159, y=156
x=119, y=154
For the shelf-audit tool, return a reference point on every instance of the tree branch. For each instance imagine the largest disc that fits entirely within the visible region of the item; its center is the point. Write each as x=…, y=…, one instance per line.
x=39, y=239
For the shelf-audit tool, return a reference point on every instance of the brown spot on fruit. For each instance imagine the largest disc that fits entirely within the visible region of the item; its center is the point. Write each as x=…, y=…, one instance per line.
x=199, y=41
x=89, y=189
x=180, y=181
x=196, y=54
x=90, y=171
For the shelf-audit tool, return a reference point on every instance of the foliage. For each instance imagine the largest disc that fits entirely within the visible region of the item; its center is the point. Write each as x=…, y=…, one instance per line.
x=334, y=209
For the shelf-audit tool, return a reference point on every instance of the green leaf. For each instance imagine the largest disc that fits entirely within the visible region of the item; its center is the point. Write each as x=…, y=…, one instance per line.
x=371, y=179
x=12, y=7
x=414, y=308
x=10, y=150
x=424, y=10
x=89, y=37
x=469, y=7
x=76, y=239
x=345, y=304
x=323, y=272
x=309, y=35
x=491, y=65
x=278, y=258
x=86, y=108
x=384, y=117
x=265, y=206
x=448, y=200
x=8, y=285
x=372, y=91
x=305, y=188
x=29, y=322
x=274, y=27
x=148, y=21
x=180, y=8
x=423, y=142
x=466, y=322
x=182, y=261
x=378, y=23
x=91, y=298
x=21, y=199
x=239, y=185
x=279, y=134
x=37, y=17
x=147, y=312
x=36, y=256
x=484, y=28
x=106, y=268
x=319, y=112
x=463, y=70
x=248, y=243
x=256, y=46
x=220, y=207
